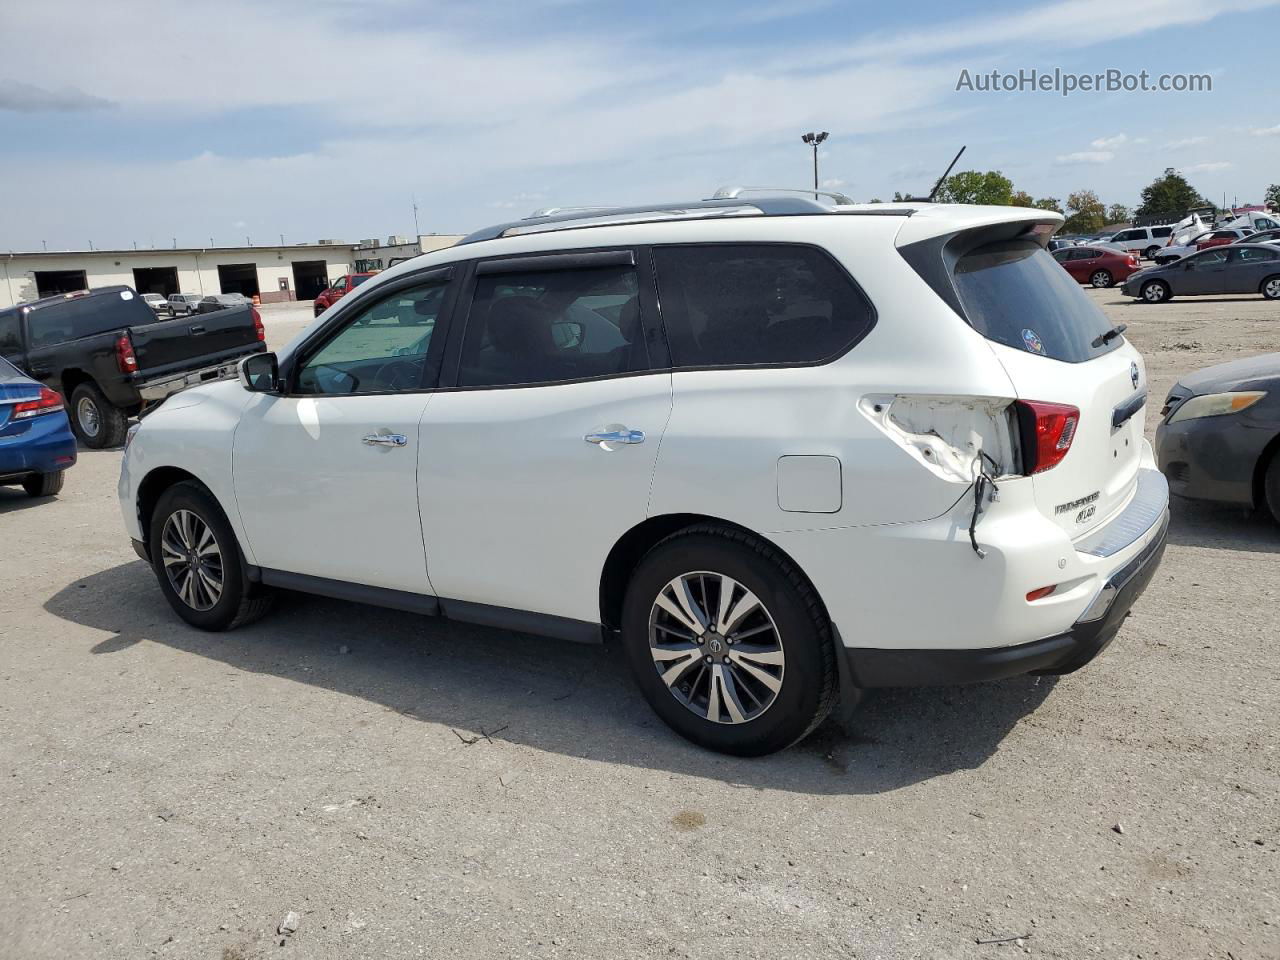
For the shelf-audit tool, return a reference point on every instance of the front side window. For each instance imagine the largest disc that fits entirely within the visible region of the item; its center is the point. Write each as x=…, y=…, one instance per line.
x=1128, y=235
x=383, y=349
x=341, y=284
x=553, y=325
x=1209, y=258
x=749, y=304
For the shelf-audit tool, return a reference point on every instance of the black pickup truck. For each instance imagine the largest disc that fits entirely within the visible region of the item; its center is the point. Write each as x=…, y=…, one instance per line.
x=111, y=357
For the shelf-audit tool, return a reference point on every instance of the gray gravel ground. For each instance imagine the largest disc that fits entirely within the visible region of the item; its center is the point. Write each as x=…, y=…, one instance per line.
x=165, y=792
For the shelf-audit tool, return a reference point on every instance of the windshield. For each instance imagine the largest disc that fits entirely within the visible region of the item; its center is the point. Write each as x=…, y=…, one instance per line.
x=1016, y=294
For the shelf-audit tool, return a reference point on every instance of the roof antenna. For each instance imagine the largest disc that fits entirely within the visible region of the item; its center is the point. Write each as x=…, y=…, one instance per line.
x=938, y=186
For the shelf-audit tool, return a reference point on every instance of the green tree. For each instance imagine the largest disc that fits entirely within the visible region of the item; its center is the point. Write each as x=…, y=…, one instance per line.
x=1088, y=215
x=1021, y=198
x=1169, y=194
x=1273, y=194
x=1049, y=203
x=1118, y=213
x=972, y=186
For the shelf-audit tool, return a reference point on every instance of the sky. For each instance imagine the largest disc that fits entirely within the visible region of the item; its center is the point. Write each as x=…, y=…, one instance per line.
x=150, y=123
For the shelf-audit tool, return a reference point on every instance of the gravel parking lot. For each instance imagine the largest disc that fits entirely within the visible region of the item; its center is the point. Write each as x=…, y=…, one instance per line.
x=410, y=787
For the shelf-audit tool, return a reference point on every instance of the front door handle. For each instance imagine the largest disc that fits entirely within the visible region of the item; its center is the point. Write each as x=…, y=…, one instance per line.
x=386, y=440
x=616, y=436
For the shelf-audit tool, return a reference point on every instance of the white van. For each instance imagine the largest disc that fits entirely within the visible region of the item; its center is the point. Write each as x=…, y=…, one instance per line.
x=1142, y=241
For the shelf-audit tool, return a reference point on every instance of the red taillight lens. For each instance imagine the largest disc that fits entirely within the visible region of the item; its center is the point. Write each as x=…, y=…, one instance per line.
x=49, y=401
x=257, y=324
x=1040, y=593
x=1047, y=430
x=125, y=359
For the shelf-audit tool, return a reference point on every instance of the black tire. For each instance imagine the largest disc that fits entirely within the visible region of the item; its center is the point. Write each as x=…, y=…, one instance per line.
x=1270, y=287
x=1150, y=252
x=1156, y=291
x=240, y=601
x=1271, y=486
x=809, y=678
x=94, y=420
x=1101, y=279
x=44, y=484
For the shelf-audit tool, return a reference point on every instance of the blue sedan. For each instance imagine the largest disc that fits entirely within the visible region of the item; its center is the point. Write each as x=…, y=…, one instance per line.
x=36, y=442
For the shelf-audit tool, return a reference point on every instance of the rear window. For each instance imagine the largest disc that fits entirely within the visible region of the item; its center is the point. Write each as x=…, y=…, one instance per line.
x=1015, y=294
x=86, y=317
x=747, y=304
x=356, y=281
x=10, y=338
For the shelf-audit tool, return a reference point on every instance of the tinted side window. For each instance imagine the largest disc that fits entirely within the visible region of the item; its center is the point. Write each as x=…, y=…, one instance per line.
x=741, y=304
x=553, y=325
x=1162, y=231
x=1013, y=293
x=383, y=348
x=10, y=337
x=1244, y=254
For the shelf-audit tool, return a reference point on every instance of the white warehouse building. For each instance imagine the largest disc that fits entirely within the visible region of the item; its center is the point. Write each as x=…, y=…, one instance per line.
x=275, y=273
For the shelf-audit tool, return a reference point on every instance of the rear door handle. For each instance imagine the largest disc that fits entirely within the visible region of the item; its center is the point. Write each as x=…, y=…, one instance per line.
x=616, y=436
x=385, y=440
x=197, y=331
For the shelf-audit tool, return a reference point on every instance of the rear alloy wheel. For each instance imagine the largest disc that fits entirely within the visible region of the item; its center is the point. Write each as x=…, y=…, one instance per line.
x=1101, y=279
x=1155, y=291
x=94, y=420
x=728, y=642
x=44, y=484
x=197, y=561
x=1271, y=288
x=1150, y=252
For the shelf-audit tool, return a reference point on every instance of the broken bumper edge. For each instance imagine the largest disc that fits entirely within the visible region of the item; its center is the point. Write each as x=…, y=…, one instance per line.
x=1064, y=653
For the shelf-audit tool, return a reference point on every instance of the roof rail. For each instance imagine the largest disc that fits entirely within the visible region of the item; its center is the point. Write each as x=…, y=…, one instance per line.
x=732, y=193
x=569, y=218
x=552, y=211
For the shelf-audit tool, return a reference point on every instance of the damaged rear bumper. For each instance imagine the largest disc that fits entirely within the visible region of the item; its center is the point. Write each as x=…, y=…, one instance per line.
x=876, y=667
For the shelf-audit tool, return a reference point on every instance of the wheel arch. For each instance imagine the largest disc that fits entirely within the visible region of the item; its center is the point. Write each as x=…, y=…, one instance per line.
x=71, y=378
x=631, y=547
x=1259, y=485
x=1262, y=286
x=153, y=486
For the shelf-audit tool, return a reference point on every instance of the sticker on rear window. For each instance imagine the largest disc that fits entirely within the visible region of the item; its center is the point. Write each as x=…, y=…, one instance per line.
x=1032, y=342
x=126, y=294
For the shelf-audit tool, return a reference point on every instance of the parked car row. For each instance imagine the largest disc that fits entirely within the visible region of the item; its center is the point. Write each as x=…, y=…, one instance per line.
x=1237, y=268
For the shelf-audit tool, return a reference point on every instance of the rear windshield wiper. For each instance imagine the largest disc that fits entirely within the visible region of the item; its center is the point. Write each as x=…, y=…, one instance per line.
x=1103, y=339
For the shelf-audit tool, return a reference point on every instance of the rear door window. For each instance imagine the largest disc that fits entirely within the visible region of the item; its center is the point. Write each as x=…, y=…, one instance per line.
x=544, y=326
x=727, y=305
x=10, y=336
x=1014, y=294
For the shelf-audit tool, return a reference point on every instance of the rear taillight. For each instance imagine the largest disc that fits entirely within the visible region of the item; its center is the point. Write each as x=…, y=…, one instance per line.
x=257, y=325
x=49, y=401
x=1046, y=430
x=125, y=359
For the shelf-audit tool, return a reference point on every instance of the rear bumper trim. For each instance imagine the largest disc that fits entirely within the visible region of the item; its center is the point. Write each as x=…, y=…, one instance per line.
x=1150, y=502
x=159, y=389
x=1059, y=654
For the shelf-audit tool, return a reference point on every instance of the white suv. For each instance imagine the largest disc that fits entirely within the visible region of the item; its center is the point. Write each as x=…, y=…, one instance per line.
x=778, y=451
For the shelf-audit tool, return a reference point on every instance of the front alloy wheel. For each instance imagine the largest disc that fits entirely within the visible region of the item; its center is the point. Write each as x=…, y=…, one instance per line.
x=1271, y=288
x=1155, y=292
x=192, y=560
x=716, y=647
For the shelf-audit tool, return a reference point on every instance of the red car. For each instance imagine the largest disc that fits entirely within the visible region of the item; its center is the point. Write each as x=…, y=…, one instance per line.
x=1097, y=266
x=1219, y=238
x=344, y=284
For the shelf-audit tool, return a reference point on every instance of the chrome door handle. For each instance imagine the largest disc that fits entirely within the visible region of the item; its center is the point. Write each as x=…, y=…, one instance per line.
x=386, y=439
x=616, y=436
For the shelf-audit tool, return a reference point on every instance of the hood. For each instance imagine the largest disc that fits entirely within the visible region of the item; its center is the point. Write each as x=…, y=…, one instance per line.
x=1235, y=375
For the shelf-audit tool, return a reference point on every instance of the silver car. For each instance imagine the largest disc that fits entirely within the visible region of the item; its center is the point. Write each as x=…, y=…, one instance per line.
x=183, y=304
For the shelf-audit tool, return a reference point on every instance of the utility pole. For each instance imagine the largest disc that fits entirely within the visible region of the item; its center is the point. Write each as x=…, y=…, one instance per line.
x=416, y=231
x=813, y=139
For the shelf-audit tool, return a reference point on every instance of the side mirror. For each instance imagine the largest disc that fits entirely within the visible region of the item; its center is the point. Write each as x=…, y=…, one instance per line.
x=260, y=373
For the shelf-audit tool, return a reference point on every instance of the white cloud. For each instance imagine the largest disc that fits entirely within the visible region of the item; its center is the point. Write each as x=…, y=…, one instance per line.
x=1185, y=142
x=1107, y=143
x=1267, y=131
x=1084, y=157
x=833, y=183
x=1207, y=167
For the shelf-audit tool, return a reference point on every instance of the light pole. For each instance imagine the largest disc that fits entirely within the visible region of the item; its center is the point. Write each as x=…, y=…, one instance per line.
x=813, y=139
